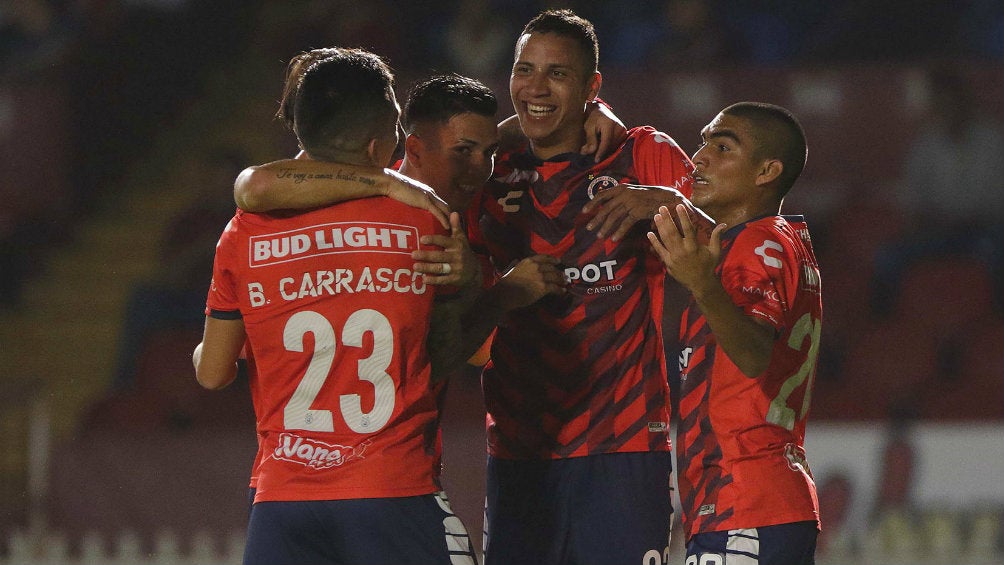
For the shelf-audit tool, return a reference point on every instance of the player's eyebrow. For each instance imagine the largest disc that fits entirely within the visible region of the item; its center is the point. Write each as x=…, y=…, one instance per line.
x=720, y=133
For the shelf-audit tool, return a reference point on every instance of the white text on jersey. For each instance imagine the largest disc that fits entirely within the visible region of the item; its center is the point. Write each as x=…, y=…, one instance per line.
x=339, y=281
x=327, y=239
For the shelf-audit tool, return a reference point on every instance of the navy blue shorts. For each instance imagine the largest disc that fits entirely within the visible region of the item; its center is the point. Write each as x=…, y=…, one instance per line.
x=783, y=544
x=595, y=510
x=421, y=530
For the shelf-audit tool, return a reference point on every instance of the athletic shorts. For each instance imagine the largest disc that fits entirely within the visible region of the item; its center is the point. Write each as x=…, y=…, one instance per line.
x=419, y=530
x=594, y=510
x=783, y=544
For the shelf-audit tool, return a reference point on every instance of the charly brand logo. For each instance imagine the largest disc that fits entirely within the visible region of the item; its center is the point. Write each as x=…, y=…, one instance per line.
x=316, y=454
x=768, y=259
x=599, y=184
x=517, y=180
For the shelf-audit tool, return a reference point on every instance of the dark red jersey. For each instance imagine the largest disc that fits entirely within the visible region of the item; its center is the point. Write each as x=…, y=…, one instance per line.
x=583, y=373
x=740, y=453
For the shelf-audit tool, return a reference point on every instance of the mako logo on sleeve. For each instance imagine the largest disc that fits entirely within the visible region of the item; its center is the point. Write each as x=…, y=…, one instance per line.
x=330, y=239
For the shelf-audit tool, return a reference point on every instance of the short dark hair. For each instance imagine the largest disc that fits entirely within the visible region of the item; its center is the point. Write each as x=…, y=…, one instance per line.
x=294, y=73
x=343, y=101
x=778, y=135
x=440, y=97
x=566, y=23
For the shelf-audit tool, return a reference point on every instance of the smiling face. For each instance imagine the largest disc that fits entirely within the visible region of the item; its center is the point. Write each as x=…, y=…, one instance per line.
x=550, y=84
x=727, y=169
x=456, y=158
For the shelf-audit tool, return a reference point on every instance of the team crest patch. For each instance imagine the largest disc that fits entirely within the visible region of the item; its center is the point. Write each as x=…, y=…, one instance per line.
x=600, y=184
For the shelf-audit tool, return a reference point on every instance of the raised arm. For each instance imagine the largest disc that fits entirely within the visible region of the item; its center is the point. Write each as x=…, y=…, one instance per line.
x=747, y=341
x=301, y=184
x=604, y=130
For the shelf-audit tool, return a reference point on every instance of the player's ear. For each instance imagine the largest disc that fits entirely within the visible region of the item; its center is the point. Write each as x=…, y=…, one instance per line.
x=373, y=151
x=594, y=85
x=769, y=171
x=413, y=149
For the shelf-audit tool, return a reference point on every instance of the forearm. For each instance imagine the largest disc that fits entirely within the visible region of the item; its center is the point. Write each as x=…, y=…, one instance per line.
x=747, y=342
x=450, y=339
x=215, y=359
x=461, y=326
x=296, y=184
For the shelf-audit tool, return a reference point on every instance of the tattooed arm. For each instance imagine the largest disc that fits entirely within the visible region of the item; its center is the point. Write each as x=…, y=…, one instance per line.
x=299, y=184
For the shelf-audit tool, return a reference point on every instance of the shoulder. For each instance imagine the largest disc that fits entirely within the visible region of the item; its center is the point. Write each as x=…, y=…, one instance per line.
x=767, y=237
x=774, y=242
x=376, y=209
x=648, y=136
x=384, y=208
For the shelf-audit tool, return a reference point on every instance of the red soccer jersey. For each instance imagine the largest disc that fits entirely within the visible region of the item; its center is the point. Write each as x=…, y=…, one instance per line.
x=740, y=440
x=583, y=373
x=337, y=323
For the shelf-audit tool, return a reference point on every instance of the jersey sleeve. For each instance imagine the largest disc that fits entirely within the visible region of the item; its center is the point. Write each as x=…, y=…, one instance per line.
x=476, y=238
x=222, y=301
x=755, y=274
x=660, y=161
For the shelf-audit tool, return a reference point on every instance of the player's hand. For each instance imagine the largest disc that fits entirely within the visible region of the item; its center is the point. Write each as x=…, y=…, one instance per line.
x=454, y=264
x=618, y=209
x=686, y=259
x=530, y=280
x=418, y=195
x=604, y=131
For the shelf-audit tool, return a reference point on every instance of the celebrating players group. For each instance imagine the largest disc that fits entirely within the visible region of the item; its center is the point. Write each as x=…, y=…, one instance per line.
x=496, y=227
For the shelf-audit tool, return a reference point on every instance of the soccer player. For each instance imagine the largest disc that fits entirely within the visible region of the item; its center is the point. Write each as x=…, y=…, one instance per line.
x=750, y=339
x=579, y=465
x=338, y=322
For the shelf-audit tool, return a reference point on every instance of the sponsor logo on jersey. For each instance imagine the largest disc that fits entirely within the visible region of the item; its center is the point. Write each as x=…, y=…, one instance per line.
x=599, y=184
x=519, y=175
x=795, y=456
x=767, y=293
x=684, y=359
x=768, y=259
x=706, y=509
x=809, y=280
x=510, y=202
x=660, y=137
x=316, y=454
x=657, y=427
x=603, y=272
x=592, y=272
x=329, y=239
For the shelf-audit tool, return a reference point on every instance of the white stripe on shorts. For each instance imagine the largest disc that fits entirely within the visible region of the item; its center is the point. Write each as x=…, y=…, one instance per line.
x=743, y=547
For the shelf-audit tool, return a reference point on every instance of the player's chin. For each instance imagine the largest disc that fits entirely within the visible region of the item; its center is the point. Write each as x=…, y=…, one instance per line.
x=700, y=196
x=535, y=129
